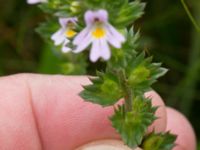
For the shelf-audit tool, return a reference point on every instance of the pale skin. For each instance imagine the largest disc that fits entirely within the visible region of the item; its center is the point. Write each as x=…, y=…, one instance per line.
x=41, y=112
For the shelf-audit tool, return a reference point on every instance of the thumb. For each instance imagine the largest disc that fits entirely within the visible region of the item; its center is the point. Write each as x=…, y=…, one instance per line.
x=105, y=144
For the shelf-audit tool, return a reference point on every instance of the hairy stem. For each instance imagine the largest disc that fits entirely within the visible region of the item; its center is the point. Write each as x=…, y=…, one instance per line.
x=128, y=94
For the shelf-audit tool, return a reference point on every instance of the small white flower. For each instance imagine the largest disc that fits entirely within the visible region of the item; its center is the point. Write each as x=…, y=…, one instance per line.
x=65, y=33
x=36, y=1
x=99, y=33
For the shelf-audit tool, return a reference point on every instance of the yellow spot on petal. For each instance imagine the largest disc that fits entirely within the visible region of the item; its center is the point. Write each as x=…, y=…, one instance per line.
x=98, y=33
x=70, y=33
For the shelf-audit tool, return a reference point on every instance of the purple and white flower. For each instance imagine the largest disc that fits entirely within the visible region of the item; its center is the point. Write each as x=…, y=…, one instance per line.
x=36, y=1
x=65, y=33
x=100, y=33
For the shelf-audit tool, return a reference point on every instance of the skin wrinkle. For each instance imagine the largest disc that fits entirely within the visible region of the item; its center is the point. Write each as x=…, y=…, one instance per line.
x=34, y=115
x=16, y=121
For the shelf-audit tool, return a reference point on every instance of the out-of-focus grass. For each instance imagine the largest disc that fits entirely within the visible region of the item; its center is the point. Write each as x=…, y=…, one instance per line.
x=166, y=30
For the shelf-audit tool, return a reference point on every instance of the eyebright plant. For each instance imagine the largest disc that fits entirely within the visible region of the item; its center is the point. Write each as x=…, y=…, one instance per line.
x=63, y=35
x=102, y=29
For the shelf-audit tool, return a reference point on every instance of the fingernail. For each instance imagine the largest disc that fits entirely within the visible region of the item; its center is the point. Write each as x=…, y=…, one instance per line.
x=105, y=145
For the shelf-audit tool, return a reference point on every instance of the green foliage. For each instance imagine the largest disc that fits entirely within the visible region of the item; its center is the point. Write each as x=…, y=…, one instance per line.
x=122, y=57
x=142, y=73
x=159, y=141
x=129, y=13
x=63, y=63
x=46, y=29
x=104, y=90
x=59, y=7
x=132, y=125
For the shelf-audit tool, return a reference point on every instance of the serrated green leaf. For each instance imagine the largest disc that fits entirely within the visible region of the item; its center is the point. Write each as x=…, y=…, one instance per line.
x=142, y=73
x=159, y=141
x=104, y=90
x=133, y=125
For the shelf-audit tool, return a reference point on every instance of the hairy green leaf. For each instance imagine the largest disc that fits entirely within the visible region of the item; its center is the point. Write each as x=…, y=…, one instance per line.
x=133, y=125
x=142, y=73
x=104, y=90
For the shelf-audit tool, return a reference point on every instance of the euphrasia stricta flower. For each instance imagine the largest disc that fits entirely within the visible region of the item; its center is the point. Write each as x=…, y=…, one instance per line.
x=100, y=33
x=35, y=1
x=65, y=33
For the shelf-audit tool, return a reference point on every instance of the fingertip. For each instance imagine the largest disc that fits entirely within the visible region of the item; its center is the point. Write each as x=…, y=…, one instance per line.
x=178, y=124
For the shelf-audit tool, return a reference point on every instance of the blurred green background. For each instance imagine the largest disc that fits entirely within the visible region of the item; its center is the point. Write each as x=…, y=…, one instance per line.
x=167, y=33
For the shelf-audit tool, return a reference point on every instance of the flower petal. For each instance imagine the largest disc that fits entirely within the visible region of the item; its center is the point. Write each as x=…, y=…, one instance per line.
x=95, y=51
x=78, y=39
x=113, y=41
x=114, y=37
x=65, y=47
x=84, y=43
x=115, y=33
x=102, y=15
x=89, y=17
x=64, y=21
x=59, y=37
x=105, y=50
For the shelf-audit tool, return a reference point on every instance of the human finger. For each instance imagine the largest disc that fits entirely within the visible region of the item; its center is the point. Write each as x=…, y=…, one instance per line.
x=179, y=125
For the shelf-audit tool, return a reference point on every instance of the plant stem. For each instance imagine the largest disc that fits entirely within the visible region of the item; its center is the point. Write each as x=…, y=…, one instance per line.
x=128, y=94
x=186, y=90
x=190, y=16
